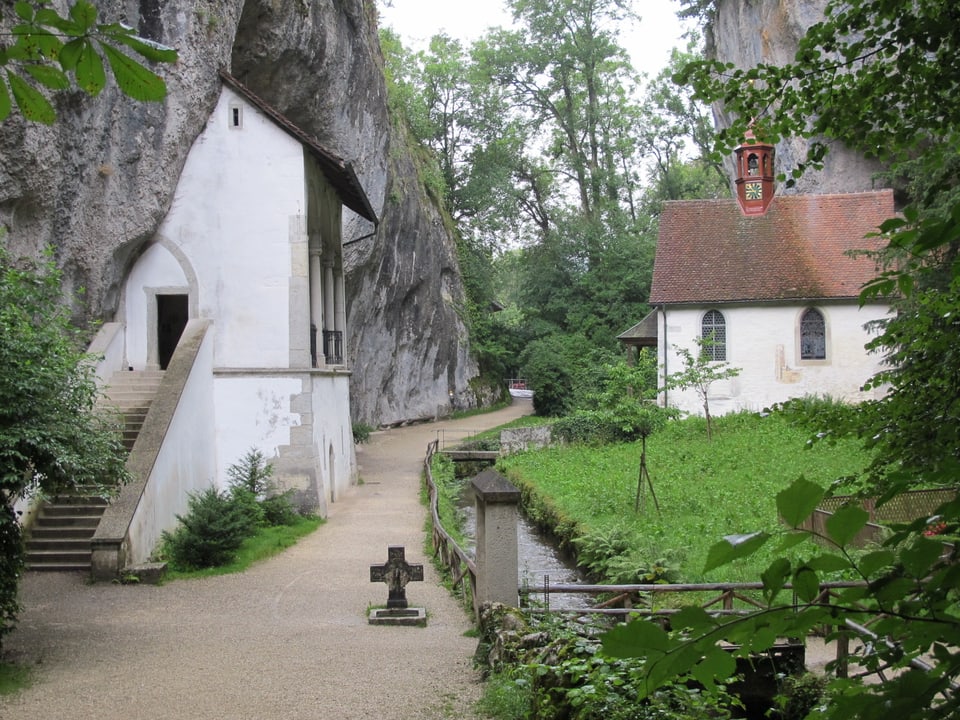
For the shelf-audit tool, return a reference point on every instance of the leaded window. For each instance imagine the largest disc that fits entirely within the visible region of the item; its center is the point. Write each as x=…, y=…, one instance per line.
x=713, y=330
x=813, y=335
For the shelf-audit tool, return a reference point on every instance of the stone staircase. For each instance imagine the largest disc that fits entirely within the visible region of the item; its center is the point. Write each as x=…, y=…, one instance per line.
x=59, y=538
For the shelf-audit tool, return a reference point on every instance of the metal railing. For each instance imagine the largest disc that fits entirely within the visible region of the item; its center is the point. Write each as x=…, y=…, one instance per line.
x=333, y=346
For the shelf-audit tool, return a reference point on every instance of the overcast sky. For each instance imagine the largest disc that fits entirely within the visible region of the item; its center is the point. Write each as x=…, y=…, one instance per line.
x=416, y=21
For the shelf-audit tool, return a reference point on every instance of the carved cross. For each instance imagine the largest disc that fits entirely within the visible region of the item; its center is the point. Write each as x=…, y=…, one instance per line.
x=396, y=573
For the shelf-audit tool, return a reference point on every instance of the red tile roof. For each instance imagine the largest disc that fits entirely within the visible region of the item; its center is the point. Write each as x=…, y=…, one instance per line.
x=708, y=251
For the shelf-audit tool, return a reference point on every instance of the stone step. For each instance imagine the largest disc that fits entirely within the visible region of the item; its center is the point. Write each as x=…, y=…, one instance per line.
x=58, y=566
x=88, y=497
x=72, y=510
x=43, y=546
x=59, y=539
x=61, y=532
x=67, y=521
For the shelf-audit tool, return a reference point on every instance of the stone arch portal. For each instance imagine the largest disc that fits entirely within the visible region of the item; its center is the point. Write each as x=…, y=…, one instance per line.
x=160, y=294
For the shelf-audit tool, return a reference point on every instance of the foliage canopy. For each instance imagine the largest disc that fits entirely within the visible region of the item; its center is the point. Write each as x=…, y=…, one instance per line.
x=52, y=52
x=52, y=438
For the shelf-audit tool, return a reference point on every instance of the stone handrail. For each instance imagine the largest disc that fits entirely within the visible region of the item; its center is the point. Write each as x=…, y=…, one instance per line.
x=175, y=427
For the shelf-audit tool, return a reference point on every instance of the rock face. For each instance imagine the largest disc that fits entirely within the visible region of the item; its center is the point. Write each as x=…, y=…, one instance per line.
x=96, y=185
x=746, y=32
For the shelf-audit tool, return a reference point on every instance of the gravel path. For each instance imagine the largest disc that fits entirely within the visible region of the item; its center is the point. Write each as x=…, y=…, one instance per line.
x=286, y=639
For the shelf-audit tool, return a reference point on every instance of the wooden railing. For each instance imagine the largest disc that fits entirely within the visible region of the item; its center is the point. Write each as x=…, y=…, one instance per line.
x=463, y=570
x=629, y=601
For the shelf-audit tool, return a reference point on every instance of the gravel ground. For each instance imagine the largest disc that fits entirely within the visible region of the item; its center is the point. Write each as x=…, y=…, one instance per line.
x=286, y=639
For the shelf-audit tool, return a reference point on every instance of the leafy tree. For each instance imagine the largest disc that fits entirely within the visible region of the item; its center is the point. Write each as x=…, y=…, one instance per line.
x=52, y=439
x=544, y=142
x=674, y=118
x=547, y=364
x=619, y=407
x=54, y=51
x=881, y=77
x=699, y=372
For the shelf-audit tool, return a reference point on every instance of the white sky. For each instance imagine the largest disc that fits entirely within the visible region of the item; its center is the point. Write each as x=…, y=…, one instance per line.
x=416, y=21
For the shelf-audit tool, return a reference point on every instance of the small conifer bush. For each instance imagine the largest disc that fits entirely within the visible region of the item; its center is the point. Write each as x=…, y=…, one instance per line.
x=210, y=533
x=251, y=484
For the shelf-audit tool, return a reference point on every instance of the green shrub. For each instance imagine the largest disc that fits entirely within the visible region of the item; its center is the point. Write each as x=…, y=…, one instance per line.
x=279, y=510
x=361, y=432
x=253, y=473
x=597, y=549
x=799, y=694
x=252, y=486
x=11, y=568
x=248, y=505
x=209, y=534
x=569, y=679
x=585, y=426
x=625, y=422
x=635, y=567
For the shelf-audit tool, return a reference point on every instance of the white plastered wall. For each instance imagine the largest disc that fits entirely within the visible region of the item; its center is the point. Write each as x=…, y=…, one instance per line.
x=235, y=240
x=331, y=401
x=763, y=341
x=156, y=271
x=231, y=217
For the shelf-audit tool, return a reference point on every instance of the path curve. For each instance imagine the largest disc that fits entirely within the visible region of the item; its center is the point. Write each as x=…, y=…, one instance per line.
x=287, y=639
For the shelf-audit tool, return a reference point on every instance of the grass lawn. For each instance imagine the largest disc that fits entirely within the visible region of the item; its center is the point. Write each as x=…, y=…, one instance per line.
x=706, y=489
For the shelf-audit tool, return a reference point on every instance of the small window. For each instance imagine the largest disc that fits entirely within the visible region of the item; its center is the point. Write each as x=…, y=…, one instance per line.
x=813, y=335
x=236, y=116
x=713, y=330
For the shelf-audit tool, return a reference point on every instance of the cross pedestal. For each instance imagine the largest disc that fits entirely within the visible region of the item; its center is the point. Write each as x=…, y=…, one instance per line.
x=396, y=572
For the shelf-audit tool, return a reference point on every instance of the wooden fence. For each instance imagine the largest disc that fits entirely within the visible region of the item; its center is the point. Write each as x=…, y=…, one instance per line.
x=463, y=570
x=904, y=508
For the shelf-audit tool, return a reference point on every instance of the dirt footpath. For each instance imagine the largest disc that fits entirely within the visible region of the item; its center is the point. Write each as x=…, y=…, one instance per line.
x=286, y=639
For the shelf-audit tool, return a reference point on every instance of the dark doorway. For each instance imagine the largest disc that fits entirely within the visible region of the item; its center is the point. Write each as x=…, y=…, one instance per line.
x=172, y=313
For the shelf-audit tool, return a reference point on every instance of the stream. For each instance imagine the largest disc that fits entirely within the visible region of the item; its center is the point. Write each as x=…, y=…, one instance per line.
x=538, y=557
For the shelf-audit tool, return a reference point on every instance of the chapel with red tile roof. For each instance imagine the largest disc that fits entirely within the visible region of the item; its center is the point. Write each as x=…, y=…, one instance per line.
x=774, y=282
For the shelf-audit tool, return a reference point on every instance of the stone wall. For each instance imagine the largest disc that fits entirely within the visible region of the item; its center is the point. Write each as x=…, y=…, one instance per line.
x=746, y=33
x=516, y=440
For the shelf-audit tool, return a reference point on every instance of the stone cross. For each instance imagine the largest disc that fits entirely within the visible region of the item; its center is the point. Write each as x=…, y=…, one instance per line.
x=396, y=573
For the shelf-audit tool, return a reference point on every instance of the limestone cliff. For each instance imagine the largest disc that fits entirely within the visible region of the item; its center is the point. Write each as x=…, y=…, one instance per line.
x=748, y=32
x=98, y=183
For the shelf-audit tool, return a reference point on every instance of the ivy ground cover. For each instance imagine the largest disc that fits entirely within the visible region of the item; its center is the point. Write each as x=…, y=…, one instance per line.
x=706, y=489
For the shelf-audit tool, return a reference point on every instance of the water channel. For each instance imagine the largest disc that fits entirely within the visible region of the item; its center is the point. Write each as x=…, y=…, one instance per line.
x=538, y=557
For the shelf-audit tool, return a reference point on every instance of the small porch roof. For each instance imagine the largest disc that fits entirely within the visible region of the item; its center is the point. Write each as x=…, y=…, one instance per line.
x=643, y=334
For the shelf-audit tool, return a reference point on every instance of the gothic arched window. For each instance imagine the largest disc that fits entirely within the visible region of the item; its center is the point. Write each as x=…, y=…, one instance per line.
x=813, y=335
x=713, y=330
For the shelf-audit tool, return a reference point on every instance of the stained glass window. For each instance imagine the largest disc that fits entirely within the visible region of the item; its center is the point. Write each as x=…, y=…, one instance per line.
x=813, y=335
x=713, y=330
